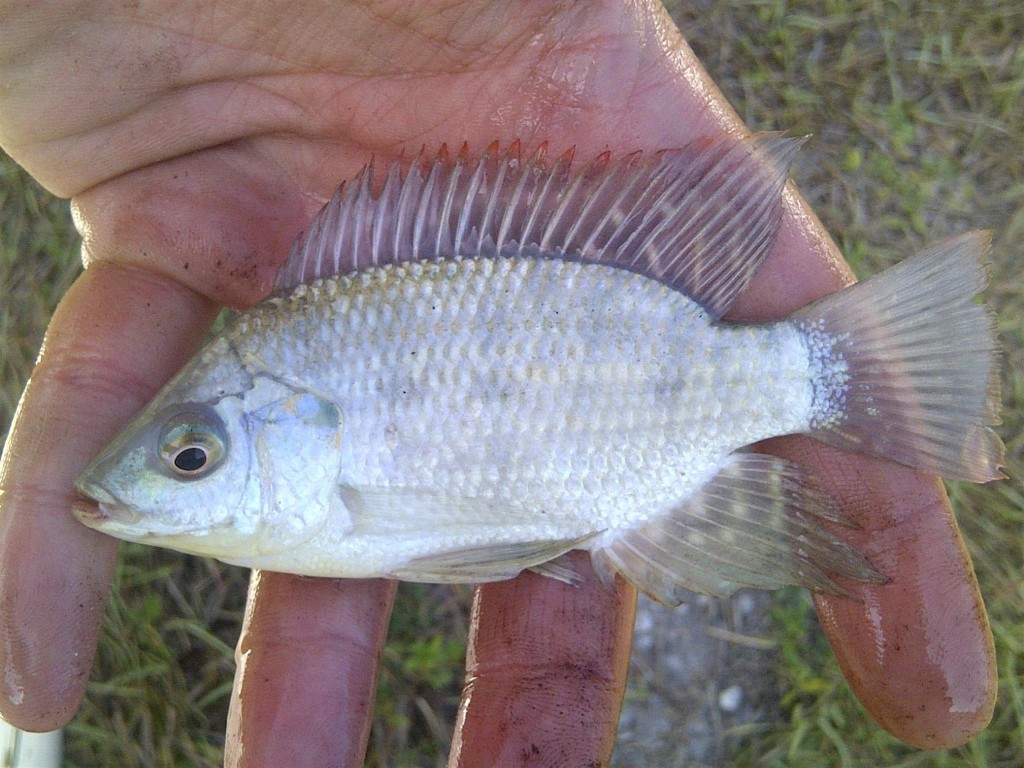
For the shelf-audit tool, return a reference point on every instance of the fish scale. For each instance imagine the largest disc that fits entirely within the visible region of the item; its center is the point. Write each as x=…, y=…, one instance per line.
x=558, y=360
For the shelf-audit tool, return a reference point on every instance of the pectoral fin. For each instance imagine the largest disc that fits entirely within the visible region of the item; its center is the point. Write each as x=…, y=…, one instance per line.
x=466, y=524
x=489, y=563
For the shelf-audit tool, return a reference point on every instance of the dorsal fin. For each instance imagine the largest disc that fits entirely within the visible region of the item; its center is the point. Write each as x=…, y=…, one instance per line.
x=700, y=218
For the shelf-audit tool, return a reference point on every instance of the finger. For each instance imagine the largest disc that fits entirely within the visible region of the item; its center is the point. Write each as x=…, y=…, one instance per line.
x=116, y=336
x=918, y=651
x=307, y=669
x=545, y=673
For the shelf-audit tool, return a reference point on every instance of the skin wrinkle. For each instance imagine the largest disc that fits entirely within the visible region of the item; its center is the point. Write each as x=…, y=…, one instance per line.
x=233, y=130
x=71, y=128
x=682, y=63
x=75, y=369
x=562, y=86
x=444, y=58
x=154, y=141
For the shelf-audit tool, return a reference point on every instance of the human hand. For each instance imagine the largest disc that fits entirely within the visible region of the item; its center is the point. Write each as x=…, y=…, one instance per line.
x=209, y=138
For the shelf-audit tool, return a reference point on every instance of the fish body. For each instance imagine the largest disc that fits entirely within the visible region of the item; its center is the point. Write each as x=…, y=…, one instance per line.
x=448, y=394
x=469, y=401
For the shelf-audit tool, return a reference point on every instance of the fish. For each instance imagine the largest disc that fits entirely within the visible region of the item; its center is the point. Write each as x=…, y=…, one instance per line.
x=480, y=364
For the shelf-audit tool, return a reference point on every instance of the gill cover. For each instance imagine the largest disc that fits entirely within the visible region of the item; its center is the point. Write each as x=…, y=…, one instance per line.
x=296, y=448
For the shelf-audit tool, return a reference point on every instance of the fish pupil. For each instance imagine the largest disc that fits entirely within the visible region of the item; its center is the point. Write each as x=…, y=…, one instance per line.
x=190, y=459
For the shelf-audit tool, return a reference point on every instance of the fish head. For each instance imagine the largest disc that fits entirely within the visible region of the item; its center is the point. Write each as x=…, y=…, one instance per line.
x=223, y=462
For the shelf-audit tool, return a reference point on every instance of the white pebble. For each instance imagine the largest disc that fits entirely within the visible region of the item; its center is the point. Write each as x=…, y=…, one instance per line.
x=730, y=699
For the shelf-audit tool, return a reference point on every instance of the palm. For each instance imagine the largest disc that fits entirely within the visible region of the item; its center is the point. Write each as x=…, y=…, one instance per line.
x=208, y=138
x=235, y=127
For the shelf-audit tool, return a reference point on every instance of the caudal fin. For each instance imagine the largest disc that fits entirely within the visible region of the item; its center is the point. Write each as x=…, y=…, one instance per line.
x=907, y=364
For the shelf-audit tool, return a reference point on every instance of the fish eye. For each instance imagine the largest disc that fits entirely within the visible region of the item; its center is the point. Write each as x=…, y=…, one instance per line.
x=191, y=458
x=192, y=444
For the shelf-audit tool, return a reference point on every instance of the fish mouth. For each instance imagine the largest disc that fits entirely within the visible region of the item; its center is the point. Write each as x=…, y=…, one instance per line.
x=102, y=507
x=124, y=522
x=100, y=510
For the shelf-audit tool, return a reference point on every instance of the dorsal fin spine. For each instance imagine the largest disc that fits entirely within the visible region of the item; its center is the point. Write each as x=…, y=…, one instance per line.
x=545, y=241
x=700, y=218
x=317, y=228
x=465, y=216
x=512, y=209
x=410, y=188
x=360, y=233
x=600, y=169
x=423, y=222
x=605, y=181
x=539, y=185
x=547, y=238
x=337, y=222
x=558, y=170
x=444, y=234
x=502, y=166
x=385, y=206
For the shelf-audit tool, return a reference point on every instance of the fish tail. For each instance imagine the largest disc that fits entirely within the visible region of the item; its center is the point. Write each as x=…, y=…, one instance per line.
x=906, y=364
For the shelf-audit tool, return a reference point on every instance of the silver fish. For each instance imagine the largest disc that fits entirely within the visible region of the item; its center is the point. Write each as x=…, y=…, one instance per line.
x=490, y=363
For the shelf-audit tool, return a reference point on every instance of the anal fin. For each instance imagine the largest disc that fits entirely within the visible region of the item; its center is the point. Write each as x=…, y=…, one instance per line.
x=756, y=523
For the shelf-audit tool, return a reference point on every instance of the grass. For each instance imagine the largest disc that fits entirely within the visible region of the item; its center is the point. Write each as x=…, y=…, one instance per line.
x=918, y=133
